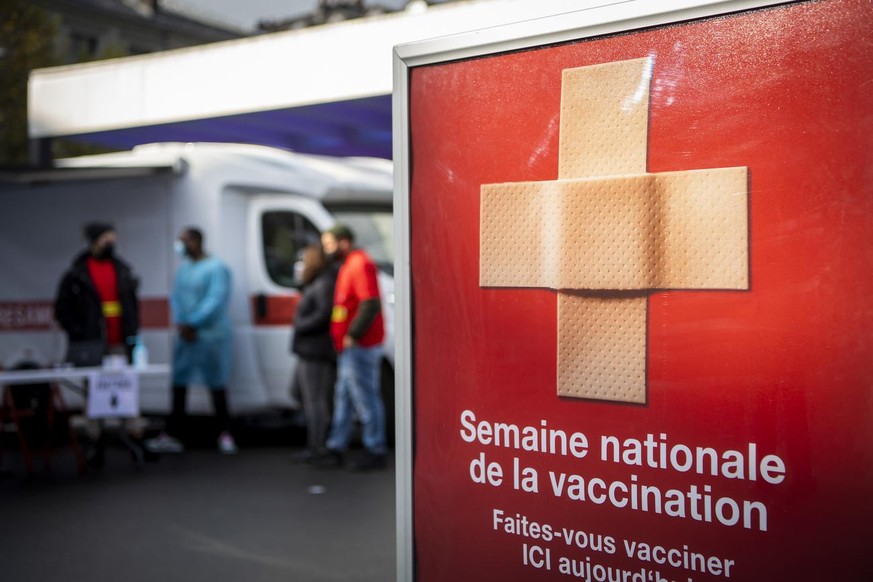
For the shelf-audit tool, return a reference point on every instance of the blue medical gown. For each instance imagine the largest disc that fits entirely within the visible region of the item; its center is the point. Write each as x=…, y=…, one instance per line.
x=200, y=298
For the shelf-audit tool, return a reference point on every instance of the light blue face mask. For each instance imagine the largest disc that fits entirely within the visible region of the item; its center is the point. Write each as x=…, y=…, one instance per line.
x=180, y=249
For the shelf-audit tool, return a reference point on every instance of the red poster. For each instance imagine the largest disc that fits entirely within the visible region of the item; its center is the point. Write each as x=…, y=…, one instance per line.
x=748, y=452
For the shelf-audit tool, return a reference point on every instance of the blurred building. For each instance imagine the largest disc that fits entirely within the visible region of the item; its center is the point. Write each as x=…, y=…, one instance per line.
x=45, y=33
x=330, y=11
x=97, y=29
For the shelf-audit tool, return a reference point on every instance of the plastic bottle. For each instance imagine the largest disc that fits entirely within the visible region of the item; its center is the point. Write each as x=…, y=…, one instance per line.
x=140, y=354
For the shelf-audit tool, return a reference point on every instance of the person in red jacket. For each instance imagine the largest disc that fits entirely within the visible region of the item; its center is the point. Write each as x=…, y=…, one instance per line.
x=357, y=330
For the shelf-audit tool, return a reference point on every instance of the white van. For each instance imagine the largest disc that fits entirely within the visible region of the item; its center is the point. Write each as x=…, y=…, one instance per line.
x=257, y=207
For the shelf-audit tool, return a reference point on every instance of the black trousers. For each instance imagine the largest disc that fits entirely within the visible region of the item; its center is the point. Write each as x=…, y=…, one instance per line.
x=176, y=424
x=316, y=379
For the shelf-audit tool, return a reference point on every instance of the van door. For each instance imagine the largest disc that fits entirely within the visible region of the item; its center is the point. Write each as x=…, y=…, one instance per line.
x=280, y=226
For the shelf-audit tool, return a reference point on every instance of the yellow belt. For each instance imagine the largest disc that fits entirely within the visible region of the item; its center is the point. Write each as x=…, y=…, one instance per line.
x=339, y=314
x=111, y=309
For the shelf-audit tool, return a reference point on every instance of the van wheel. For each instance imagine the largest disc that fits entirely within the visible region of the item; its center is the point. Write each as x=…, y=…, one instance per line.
x=387, y=381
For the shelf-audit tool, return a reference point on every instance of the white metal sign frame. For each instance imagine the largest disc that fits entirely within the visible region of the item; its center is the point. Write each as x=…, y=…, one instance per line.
x=596, y=19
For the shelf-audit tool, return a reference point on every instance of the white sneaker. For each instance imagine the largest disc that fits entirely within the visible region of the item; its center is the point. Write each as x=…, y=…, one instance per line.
x=226, y=444
x=164, y=444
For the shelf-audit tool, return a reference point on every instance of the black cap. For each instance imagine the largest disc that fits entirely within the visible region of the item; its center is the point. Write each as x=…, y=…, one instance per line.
x=341, y=232
x=95, y=230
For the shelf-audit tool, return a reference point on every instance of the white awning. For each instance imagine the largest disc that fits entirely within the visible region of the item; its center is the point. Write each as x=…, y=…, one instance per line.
x=345, y=62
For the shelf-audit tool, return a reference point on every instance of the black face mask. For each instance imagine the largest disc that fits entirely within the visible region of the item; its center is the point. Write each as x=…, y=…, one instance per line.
x=337, y=257
x=107, y=252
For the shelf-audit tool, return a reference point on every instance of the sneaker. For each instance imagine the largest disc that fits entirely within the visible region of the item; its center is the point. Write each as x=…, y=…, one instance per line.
x=304, y=456
x=328, y=459
x=226, y=444
x=369, y=462
x=164, y=444
x=96, y=457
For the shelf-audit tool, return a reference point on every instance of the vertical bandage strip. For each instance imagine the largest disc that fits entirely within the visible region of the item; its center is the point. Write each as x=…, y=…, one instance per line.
x=607, y=225
x=604, y=119
x=601, y=342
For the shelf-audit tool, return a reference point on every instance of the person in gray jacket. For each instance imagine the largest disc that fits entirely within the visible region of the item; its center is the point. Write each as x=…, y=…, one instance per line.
x=316, y=364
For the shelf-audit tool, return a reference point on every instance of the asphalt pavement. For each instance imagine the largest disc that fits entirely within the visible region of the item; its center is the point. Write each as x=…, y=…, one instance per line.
x=199, y=516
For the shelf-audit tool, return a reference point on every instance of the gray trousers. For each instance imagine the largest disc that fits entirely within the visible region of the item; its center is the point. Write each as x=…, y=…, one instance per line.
x=316, y=379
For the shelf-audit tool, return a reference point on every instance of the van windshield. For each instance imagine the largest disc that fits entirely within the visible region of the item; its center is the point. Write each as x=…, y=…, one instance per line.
x=374, y=230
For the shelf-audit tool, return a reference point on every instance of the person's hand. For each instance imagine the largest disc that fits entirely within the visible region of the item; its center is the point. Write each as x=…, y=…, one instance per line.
x=188, y=333
x=349, y=342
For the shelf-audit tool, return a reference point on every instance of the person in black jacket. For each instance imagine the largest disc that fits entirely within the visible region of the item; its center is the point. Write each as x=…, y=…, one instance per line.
x=96, y=298
x=316, y=364
x=97, y=303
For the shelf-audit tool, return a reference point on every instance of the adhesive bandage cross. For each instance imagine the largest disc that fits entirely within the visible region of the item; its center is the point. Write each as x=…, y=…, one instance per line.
x=605, y=234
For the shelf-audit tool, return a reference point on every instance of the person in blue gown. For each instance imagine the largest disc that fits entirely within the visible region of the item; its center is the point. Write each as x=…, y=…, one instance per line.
x=203, y=349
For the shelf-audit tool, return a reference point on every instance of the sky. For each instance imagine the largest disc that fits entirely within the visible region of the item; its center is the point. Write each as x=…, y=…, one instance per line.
x=245, y=14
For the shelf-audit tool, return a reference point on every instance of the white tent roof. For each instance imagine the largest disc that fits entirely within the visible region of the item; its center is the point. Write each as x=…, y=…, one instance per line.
x=345, y=62
x=321, y=90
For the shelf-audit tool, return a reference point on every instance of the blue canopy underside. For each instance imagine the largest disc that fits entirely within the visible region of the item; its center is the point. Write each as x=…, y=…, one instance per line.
x=359, y=127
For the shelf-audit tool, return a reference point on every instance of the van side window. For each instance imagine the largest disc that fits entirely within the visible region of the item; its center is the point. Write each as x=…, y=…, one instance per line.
x=285, y=233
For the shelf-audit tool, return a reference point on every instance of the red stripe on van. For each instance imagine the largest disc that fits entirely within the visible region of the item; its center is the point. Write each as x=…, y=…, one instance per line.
x=279, y=310
x=154, y=313
x=26, y=315
x=39, y=315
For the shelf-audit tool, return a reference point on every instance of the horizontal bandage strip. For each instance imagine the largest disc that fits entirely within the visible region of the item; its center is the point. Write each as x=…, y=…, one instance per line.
x=673, y=230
